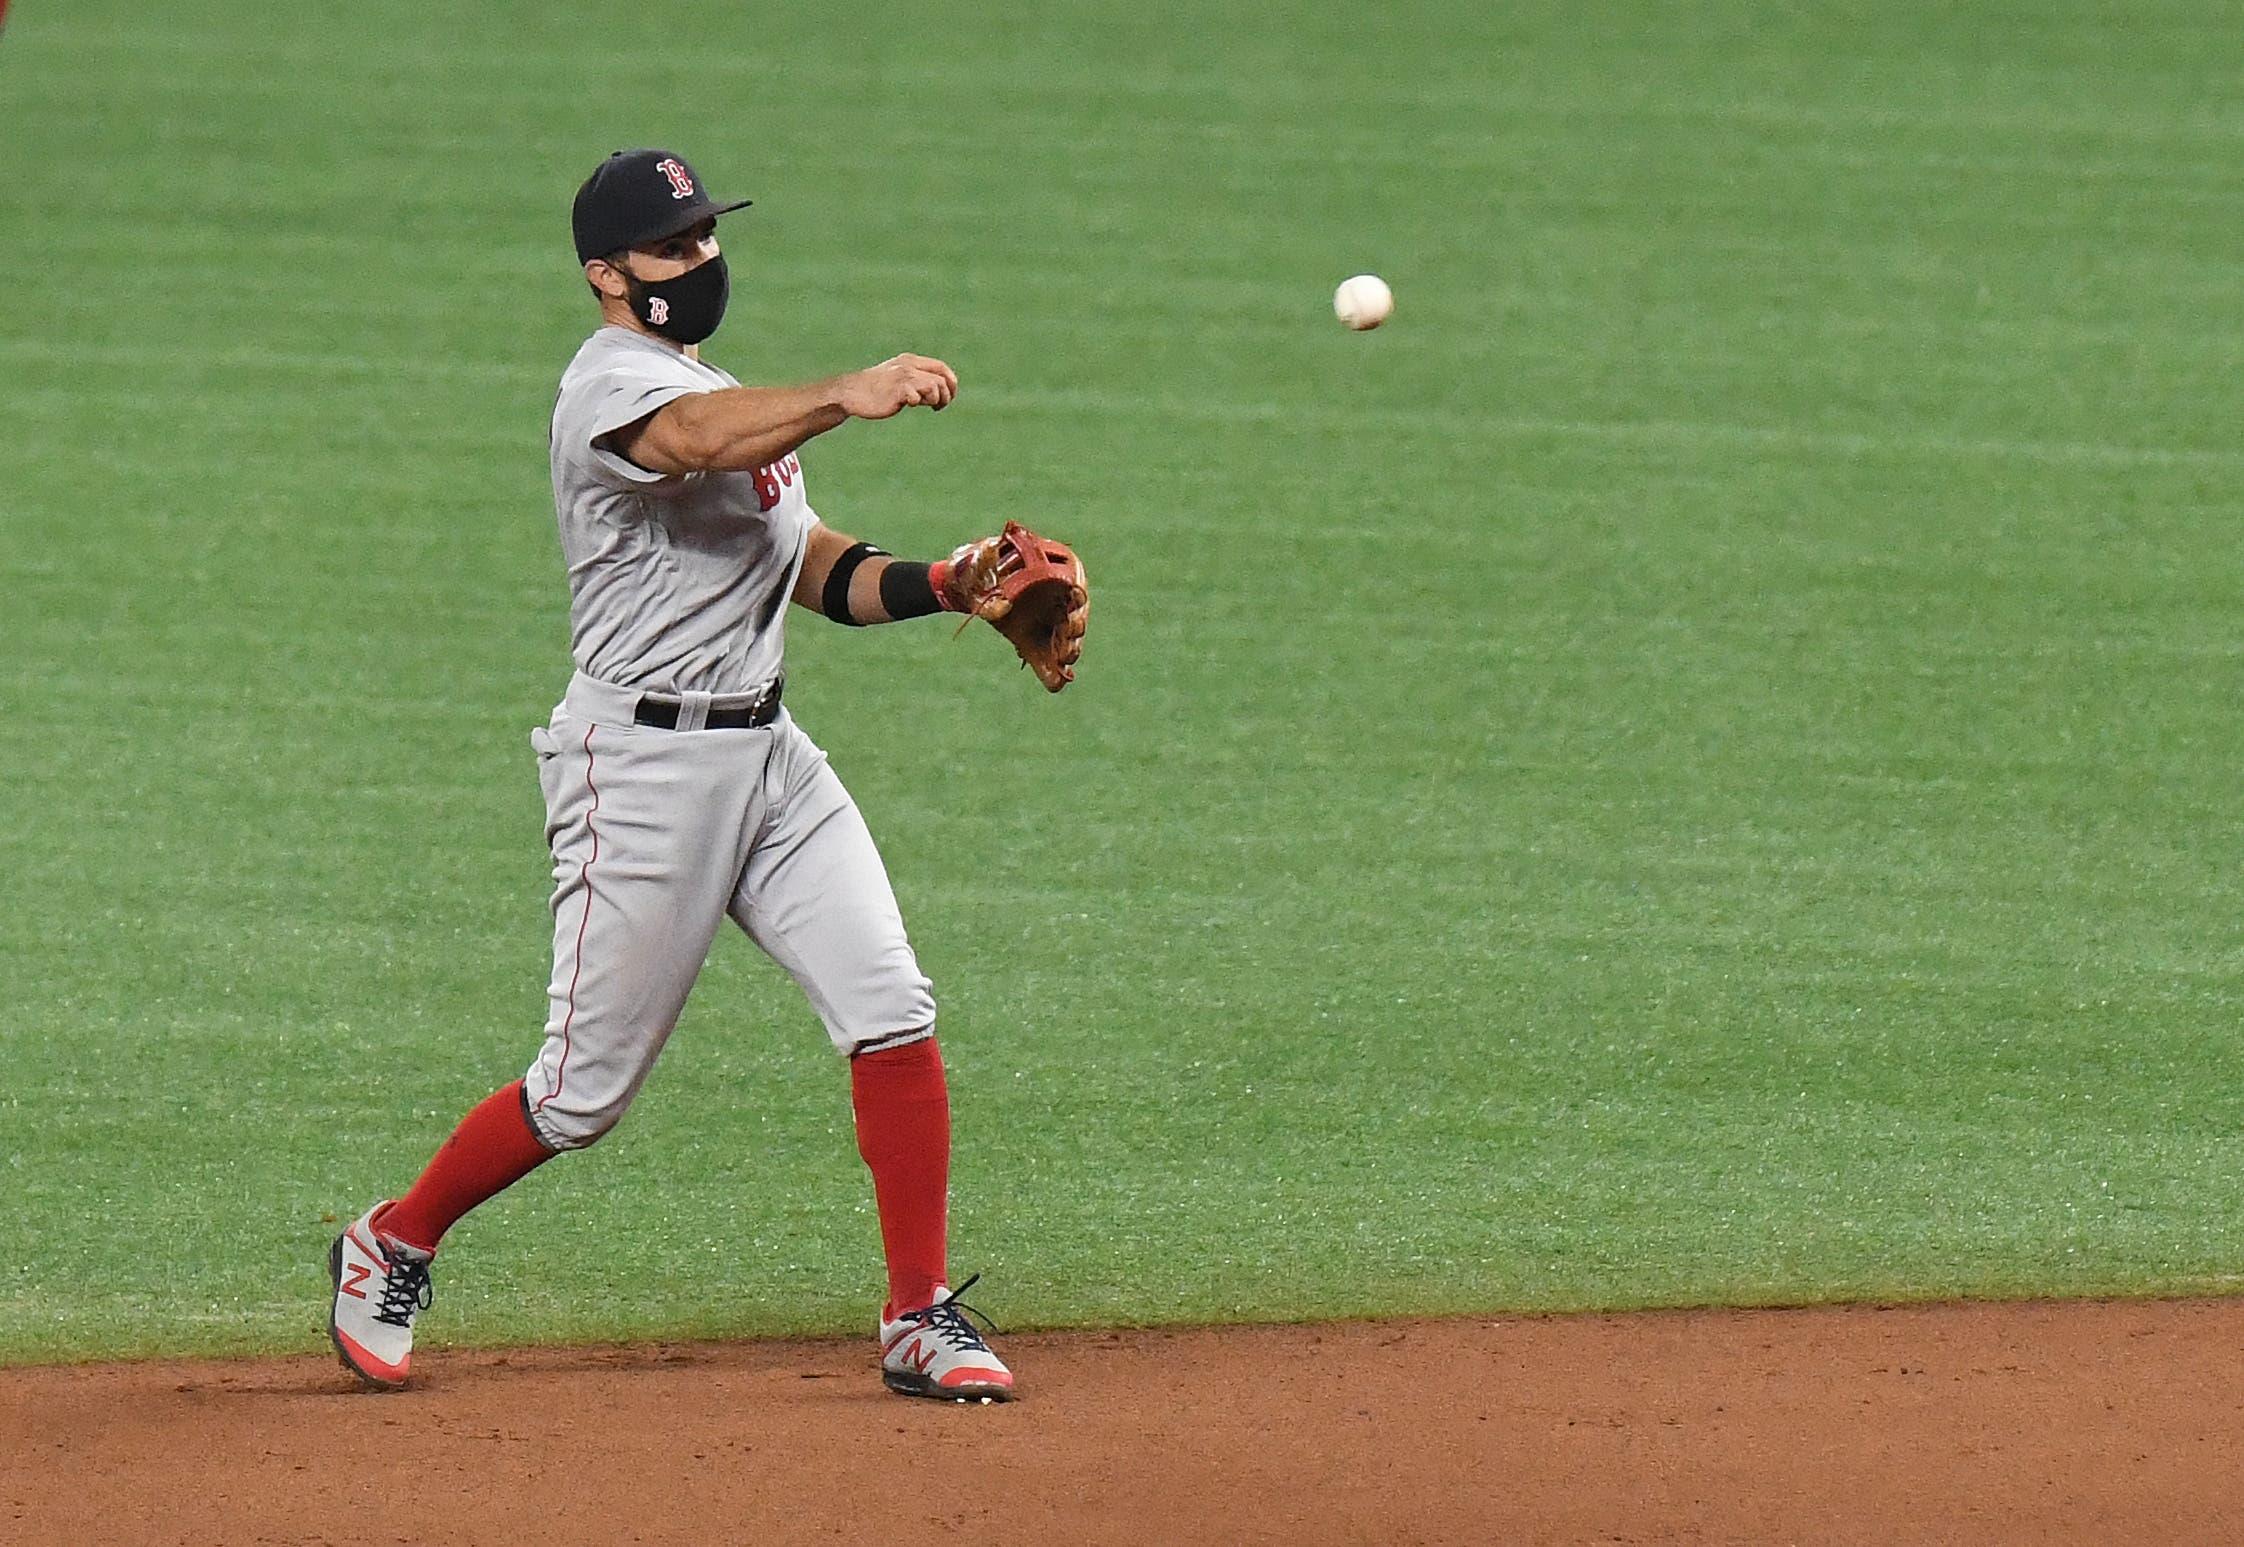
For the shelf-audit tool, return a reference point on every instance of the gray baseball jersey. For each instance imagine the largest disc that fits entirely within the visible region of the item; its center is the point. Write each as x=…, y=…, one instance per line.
x=678, y=588
x=677, y=582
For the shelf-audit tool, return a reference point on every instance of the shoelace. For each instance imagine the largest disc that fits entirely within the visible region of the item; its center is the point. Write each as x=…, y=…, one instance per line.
x=405, y=1290
x=946, y=1318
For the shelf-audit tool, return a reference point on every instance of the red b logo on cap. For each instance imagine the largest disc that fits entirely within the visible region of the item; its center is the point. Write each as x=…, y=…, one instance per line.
x=681, y=186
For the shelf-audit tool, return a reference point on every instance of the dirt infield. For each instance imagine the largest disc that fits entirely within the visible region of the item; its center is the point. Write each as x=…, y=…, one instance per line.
x=2024, y=1423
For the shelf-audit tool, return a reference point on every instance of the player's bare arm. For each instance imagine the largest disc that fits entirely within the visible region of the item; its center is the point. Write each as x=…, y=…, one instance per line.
x=739, y=429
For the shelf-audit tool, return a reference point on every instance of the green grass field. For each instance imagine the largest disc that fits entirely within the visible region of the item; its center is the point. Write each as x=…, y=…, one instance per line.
x=1700, y=764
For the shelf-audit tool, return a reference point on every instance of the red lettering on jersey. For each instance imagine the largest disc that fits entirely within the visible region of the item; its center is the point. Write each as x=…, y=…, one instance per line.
x=772, y=477
x=681, y=186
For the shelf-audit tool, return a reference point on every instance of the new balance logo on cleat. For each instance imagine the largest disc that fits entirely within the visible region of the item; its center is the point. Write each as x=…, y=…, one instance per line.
x=380, y=1286
x=937, y=1352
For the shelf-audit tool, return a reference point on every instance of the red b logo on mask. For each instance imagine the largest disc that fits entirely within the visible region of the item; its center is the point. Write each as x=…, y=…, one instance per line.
x=681, y=186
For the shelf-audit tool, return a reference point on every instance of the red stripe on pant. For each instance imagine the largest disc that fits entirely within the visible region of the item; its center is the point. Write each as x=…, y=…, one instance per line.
x=576, y=970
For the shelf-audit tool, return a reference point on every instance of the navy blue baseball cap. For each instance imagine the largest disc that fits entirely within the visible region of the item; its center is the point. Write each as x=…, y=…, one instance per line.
x=639, y=196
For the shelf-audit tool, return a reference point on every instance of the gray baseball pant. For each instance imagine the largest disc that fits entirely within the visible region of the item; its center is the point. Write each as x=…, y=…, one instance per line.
x=658, y=835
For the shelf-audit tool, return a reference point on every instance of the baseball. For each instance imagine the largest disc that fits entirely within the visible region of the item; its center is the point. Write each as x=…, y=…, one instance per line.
x=1363, y=302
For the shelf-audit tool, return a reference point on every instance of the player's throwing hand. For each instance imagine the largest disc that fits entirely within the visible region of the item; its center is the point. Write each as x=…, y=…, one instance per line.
x=906, y=381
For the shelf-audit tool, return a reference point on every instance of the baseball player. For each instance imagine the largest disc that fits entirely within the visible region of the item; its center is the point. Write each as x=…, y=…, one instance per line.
x=678, y=788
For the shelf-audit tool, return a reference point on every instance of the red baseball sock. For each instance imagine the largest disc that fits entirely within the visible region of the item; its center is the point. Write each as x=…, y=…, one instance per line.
x=904, y=1133
x=493, y=1148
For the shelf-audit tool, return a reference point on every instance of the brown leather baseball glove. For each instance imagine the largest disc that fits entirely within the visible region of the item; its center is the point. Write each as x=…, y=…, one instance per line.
x=1030, y=589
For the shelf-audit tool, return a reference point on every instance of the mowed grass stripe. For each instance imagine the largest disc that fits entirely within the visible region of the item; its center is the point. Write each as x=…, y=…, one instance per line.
x=1157, y=405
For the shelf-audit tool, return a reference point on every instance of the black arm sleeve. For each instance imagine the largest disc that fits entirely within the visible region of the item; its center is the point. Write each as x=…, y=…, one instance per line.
x=906, y=591
x=835, y=599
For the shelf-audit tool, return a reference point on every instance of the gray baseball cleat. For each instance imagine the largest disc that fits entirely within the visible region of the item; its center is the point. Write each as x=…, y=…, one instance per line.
x=937, y=1353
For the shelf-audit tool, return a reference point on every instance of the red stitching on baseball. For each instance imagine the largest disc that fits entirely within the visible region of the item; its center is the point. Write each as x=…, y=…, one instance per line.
x=584, y=879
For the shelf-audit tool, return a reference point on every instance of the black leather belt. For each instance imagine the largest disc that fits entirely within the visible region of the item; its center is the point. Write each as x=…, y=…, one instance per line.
x=662, y=713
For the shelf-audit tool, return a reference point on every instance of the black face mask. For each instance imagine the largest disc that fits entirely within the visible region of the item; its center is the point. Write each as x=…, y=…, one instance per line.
x=686, y=309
